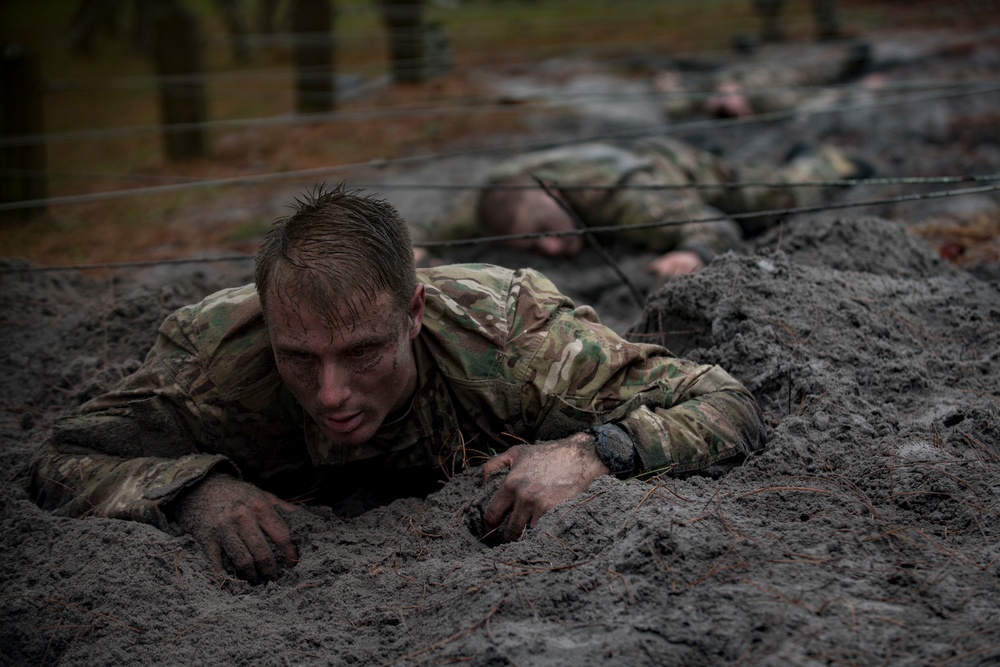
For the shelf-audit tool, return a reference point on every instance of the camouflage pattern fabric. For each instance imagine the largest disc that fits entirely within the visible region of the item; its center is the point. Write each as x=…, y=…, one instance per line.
x=782, y=78
x=503, y=357
x=652, y=161
x=775, y=77
x=611, y=168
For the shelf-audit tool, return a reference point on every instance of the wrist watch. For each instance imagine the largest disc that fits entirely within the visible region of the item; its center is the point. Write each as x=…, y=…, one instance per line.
x=614, y=448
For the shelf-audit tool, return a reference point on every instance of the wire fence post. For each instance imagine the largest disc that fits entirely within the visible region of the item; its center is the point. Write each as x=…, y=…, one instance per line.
x=312, y=22
x=177, y=54
x=22, y=167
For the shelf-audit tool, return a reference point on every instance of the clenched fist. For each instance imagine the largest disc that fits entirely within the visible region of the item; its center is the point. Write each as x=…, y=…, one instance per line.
x=541, y=476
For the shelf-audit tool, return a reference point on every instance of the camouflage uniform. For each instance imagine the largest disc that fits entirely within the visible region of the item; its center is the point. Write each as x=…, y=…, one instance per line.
x=782, y=78
x=775, y=78
x=654, y=161
x=502, y=356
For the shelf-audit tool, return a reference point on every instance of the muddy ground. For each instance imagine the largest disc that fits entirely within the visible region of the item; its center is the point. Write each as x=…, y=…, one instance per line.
x=867, y=533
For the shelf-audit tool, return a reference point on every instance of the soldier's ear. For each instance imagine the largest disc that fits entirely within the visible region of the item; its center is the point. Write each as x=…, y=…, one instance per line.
x=416, y=314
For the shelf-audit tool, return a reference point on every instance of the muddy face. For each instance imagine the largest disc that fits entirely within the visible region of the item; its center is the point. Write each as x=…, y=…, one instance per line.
x=349, y=378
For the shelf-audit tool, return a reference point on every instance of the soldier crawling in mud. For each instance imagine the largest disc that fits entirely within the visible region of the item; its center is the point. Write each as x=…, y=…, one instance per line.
x=771, y=78
x=615, y=184
x=344, y=363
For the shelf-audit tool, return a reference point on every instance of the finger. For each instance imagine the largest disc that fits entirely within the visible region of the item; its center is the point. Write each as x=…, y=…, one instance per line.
x=263, y=560
x=286, y=506
x=498, y=508
x=518, y=521
x=498, y=463
x=214, y=552
x=234, y=547
x=276, y=528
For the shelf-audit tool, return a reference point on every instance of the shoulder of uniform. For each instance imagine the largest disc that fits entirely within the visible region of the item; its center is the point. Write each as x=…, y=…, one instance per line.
x=462, y=279
x=447, y=274
x=226, y=315
x=480, y=291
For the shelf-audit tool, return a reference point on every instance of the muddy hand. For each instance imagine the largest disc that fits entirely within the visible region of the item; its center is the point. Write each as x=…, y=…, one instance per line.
x=231, y=517
x=541, y=476
x=675, y=263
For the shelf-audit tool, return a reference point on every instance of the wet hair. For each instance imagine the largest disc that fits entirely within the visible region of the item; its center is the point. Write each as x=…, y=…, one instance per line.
x=337, y=253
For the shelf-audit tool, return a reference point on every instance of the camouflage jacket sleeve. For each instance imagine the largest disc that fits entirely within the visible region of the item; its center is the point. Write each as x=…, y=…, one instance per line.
x=102, y=460
x=680, y=415
x=555, y=370
x=205, y=398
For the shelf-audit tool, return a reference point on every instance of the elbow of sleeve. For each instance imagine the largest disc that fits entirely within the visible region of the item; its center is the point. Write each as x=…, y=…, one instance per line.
x=738, y=420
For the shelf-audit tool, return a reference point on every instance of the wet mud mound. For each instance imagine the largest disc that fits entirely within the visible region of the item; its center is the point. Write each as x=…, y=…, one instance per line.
x=866, y=533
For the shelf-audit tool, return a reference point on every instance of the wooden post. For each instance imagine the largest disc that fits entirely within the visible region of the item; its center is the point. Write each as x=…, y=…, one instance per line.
x=312, y=22
x=22, y=163
x=769, y=12
x=234, y=17
x=177, y=53
x=404, y=25
x=827, y=19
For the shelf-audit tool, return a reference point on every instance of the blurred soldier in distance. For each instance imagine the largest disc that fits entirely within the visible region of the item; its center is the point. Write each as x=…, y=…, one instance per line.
x=621, y=184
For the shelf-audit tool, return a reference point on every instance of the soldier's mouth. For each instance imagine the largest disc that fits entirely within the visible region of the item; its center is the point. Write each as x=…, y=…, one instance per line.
x=343, y=424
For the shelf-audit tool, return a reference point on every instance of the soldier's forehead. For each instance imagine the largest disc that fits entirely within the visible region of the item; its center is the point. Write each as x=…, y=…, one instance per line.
x=335, y=311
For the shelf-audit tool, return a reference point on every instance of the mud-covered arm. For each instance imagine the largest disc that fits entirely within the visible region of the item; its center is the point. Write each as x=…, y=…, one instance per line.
x=678, y=415
x=130, y=451
x=80, y=484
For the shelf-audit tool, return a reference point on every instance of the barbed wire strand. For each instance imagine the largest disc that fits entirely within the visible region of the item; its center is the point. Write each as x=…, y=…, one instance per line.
x=591, y=240
x=148, y=81
x=480, y=104
x=298, y=175
x=796, y=210
x=457, y=187
x=607, y=229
